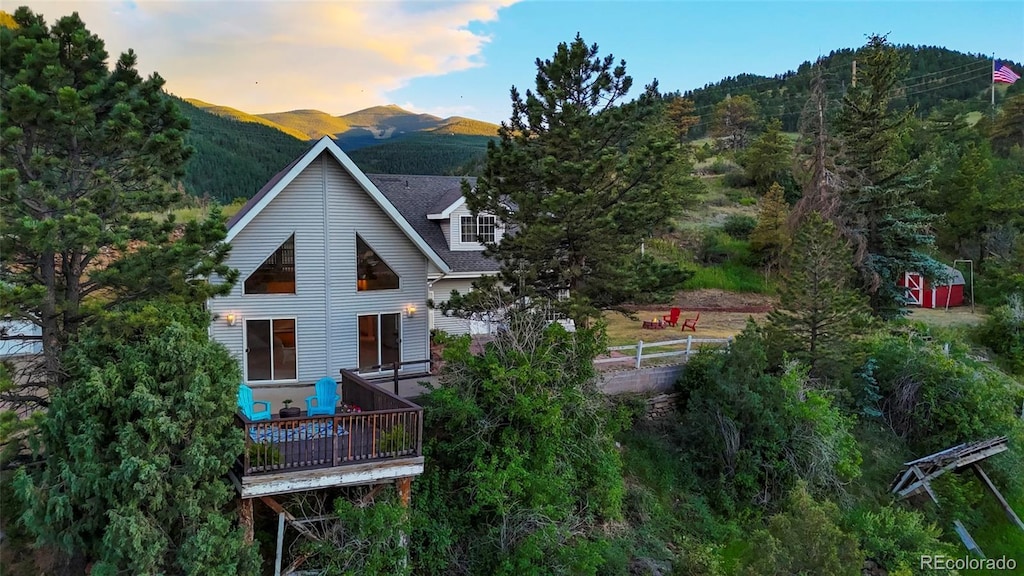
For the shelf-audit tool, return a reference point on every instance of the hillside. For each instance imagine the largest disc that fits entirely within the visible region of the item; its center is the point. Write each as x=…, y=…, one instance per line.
x=313, y=124
x=933, y=75
x=228, y=112
x=421, y=153
x=233, y=158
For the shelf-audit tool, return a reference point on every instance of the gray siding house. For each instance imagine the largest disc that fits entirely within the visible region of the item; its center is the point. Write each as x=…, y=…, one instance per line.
x=331, y=276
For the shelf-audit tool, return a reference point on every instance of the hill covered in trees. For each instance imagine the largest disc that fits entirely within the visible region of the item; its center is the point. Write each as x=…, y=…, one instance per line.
x=935, y=74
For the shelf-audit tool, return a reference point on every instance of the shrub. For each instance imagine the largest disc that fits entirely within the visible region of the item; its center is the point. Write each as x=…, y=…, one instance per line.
x=723, y=166
x=738, y=179
x=1003, y=333
x=739, y=226
x=805, y=539
x=747, y=201
x=896, y=538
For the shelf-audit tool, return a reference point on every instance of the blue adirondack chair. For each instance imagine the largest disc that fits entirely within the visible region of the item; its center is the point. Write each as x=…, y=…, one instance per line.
x=248, y=406
x=326, y=398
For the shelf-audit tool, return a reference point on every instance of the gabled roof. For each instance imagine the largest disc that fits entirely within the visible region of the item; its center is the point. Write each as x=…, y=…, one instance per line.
x=280, y=180
x=416, y=197
x=447, y=204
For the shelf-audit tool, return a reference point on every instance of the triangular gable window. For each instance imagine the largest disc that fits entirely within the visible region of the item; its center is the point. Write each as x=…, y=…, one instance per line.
x=372, y=272
x=277, y=274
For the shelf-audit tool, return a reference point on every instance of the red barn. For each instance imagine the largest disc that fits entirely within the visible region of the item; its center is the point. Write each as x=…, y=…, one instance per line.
x=922, y=293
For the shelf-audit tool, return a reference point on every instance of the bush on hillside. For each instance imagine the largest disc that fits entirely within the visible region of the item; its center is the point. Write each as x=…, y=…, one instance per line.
x=738, y=179
x=723, y=166
x=739, y=226
x=1003, y=333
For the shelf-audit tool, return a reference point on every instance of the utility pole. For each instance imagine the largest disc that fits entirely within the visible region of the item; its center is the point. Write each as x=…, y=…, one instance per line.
x=853, y=84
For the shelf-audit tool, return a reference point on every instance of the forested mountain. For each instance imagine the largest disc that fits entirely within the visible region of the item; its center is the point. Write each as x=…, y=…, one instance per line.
x=236, y=153
x=935, y=74
x=233, y=158
x=361, y=128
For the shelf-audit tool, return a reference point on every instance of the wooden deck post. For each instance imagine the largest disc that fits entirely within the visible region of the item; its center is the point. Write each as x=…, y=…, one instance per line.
x=404, y=486
x=245, y=518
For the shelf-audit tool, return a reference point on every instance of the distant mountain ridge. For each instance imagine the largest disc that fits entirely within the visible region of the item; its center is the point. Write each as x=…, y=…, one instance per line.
x=374, y=125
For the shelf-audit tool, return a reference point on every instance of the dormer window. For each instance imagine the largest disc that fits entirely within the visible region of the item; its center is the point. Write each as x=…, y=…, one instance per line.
x=277, y=273
x=372, y=273
x=477, y=229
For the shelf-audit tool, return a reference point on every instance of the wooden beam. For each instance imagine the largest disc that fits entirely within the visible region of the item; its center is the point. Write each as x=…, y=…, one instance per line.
x=404, y=486
x=245, y=518
x=348, y=475
x=276, y=507
x=995, y=492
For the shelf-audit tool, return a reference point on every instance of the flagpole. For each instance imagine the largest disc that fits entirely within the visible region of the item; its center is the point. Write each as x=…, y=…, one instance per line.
x=993, y=83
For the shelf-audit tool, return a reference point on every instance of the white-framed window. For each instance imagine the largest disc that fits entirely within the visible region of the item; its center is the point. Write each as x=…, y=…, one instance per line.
x=380, y=340
x=478, y=229
x=270, y=352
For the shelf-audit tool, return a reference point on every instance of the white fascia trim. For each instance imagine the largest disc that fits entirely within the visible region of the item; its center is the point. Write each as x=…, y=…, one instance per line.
x=448, y=211
x=327, y=144
x=465, y=275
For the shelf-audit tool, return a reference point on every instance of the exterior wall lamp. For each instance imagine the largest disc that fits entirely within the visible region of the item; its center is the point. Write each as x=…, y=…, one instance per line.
x=231, y=318
x=410, y=310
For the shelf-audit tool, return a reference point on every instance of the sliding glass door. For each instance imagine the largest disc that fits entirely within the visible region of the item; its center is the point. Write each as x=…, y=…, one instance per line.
x=380, y=341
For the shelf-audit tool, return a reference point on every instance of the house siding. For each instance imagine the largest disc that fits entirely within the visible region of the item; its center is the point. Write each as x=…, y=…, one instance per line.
x=442, y=291
x=351, y=211
x=325, y=207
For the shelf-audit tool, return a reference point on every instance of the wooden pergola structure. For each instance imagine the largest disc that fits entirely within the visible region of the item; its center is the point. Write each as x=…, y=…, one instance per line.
x=915, y=479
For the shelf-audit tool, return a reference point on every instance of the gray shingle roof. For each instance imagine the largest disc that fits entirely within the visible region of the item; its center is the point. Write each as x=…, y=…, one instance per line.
x=417, y=196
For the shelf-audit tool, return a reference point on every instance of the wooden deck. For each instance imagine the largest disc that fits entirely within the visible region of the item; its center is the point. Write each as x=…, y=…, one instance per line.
x=384, y=440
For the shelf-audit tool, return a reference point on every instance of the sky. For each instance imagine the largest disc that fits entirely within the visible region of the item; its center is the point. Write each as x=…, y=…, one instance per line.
x=462, y=58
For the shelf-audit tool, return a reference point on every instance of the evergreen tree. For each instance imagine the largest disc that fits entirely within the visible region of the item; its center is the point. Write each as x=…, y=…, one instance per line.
x=771, y=235
x=889, y=231
x=768, y=159
x=580, y=178
x=86, y=150
x=681, y=116
x=1008, y=128
x=734, y=119
x=818, y=310
x=138, y=444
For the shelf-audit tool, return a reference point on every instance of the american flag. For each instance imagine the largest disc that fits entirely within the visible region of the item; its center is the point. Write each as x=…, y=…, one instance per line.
x=1002, y=73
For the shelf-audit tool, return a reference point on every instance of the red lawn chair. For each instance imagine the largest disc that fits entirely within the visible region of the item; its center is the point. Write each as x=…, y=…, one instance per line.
x=690, y=323
x=672, y=318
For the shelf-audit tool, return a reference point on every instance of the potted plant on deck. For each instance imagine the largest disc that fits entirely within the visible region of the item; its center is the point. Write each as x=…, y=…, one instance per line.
x=289, y=411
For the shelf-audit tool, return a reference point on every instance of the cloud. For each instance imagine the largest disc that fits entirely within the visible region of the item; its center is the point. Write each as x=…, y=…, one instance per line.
x=263, y=56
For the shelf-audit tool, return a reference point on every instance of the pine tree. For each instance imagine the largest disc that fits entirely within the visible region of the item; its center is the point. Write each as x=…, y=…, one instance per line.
x=889, y=231
x=818, y=309
x=138, y=444
x=768, y=159
x=734, y=119
x=682, y=116
x=580, y=178
x=771, y=235
x=86, y=150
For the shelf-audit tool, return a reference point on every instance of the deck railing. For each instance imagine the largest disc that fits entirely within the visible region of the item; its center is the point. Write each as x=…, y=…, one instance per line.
x=385, y=427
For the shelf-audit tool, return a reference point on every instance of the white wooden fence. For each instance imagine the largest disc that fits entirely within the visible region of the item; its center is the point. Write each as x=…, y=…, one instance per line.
x=690, y=342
